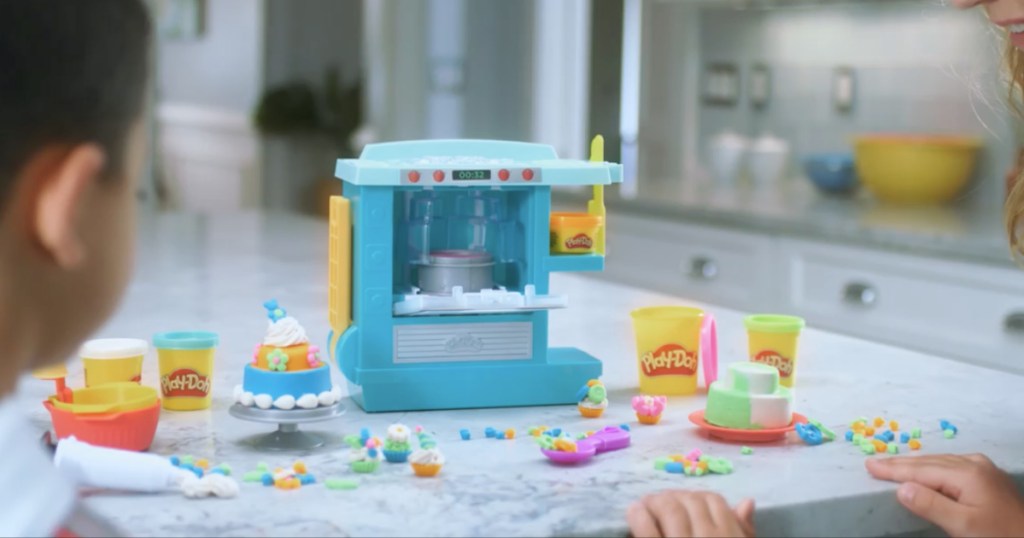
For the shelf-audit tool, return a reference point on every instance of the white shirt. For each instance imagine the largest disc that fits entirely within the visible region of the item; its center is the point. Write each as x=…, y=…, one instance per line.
x=35, y=499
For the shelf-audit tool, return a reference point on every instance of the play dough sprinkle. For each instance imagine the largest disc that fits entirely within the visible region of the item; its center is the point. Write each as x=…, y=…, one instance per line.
x=705, y=464
x=746, y=451
x=341, y=483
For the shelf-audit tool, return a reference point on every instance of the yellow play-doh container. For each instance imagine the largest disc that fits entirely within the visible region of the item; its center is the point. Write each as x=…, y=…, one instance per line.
x=112, y=360
x=668, y=342
x=186, y=368
x=574, y=233
x=772, y=340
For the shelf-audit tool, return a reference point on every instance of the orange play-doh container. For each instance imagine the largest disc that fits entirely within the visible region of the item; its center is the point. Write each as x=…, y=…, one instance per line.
x=128, y=430
x=574, y=233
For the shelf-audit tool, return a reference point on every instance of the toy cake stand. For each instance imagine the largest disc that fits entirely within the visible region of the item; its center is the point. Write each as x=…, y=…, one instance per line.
x=287, y=436
x=745, y=436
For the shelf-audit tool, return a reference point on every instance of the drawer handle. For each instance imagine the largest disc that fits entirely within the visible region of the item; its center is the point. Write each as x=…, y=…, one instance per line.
x=860, y=294
x=703, y=269
x=1014, y=323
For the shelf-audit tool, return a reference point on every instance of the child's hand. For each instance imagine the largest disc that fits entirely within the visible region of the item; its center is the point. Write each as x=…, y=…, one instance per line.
x=689, y=513
x=965, y=495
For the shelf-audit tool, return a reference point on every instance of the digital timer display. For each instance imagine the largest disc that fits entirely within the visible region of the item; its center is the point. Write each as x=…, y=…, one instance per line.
x=471, y=175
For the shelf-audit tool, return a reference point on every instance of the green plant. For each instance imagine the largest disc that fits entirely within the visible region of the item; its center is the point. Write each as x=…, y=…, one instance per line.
x=295, y=108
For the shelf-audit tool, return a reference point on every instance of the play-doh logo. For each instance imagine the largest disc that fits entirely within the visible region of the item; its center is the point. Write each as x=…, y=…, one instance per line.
x=463, y=342
x=783, y=364
x=580, y=241
x=669, y=359
x=184, y=383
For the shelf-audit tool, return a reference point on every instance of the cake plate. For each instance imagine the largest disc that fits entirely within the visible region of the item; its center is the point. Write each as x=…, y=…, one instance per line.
x=287, y=436
x=745, y=436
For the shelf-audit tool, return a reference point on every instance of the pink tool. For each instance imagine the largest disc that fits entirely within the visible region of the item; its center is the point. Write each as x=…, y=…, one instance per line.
x=605, y=440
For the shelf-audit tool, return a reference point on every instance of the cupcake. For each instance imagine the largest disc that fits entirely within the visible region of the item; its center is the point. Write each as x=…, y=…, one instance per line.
x=396, y=445
x=649, y=408
x=366, y=459
x=427, y=461
x=593, y=399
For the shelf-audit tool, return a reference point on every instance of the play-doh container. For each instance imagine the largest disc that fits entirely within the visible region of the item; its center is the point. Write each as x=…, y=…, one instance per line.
x=127, y=430
x=186, y=368
x=574, y=233
x=772, y=340
x=112, y=360
x=670, y=340
x=108, y=398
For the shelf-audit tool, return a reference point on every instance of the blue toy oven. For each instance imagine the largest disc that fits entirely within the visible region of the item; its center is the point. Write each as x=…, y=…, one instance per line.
x=424, y=332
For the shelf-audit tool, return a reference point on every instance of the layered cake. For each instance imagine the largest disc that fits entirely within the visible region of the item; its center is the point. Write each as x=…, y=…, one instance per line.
x=751, y=399
x=286, y=372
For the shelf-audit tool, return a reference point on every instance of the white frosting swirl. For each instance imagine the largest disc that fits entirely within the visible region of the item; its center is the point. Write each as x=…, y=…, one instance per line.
x=430, y=456
x=363, y=454
x=214, y=484
x=285, y=332
x=399, y=433
x=591, y=405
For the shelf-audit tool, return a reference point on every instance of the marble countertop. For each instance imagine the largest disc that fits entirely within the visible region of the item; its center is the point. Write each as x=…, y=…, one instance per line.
x=797, y=209
x=214, y=273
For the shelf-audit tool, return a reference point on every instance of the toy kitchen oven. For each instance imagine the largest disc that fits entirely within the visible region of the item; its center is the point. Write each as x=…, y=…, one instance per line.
x=439, y=262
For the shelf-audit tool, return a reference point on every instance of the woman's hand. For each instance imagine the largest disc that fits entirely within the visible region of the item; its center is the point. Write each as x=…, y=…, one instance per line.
x=964, y=495
x=689, y=513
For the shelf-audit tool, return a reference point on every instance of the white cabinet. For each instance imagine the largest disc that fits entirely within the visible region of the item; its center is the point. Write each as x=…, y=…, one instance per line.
x=960, y=310
x=966, y=311
x=706, y=264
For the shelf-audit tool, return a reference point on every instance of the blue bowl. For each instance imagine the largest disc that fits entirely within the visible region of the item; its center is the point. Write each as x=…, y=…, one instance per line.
x=833, y=173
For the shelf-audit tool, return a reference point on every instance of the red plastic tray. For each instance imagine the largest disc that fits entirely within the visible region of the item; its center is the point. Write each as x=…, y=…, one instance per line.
x=745, y=436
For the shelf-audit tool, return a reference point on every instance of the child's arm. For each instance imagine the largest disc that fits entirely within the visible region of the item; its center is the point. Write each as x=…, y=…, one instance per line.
x=964, y=495
x=689, y=513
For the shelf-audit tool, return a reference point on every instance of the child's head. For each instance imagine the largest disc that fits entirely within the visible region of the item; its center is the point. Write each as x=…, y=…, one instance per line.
x=73, y=79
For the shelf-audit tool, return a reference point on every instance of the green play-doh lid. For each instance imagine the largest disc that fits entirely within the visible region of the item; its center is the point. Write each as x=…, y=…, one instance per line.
x=774, y=323
x=186, y=340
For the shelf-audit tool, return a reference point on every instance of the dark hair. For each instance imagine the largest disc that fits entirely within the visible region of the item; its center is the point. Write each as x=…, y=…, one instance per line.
x=71, y=71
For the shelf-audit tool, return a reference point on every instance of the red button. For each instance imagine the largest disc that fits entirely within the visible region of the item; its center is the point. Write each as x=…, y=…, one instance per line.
x=414, y=177
x=527, y=174
x=503, y=175
x=438, y=176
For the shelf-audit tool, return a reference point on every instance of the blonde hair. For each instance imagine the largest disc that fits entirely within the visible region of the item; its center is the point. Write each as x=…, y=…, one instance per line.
x=1015, y=200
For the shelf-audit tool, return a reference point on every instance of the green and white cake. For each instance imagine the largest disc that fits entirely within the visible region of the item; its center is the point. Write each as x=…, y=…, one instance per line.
x=751, y=400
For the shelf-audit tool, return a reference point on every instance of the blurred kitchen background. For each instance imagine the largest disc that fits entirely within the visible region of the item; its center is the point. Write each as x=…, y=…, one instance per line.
x=721, y=112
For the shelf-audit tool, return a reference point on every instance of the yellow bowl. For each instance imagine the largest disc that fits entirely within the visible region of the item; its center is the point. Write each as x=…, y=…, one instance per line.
x=109, y=398
x=915, y=169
